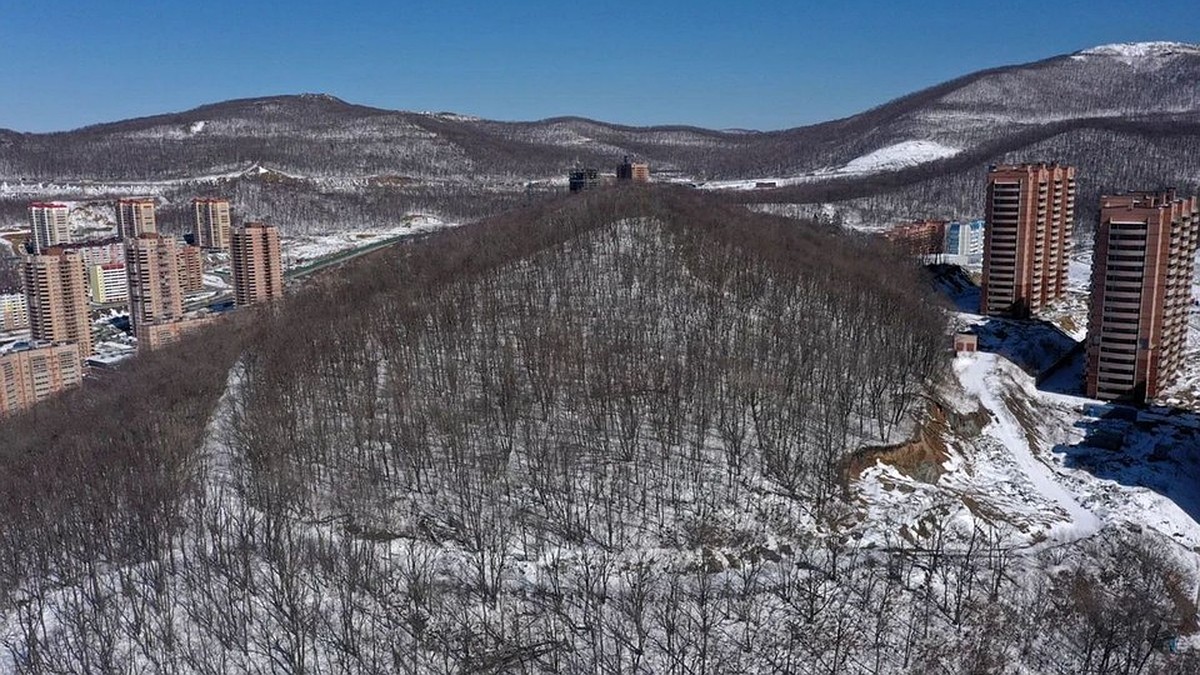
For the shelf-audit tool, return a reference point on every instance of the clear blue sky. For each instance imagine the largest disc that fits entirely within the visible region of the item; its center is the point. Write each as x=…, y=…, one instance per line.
x=738, y=63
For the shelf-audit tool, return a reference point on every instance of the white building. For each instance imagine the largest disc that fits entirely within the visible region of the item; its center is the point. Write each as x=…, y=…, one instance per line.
x=108, y=283
x=965, y=240
x=14, y=311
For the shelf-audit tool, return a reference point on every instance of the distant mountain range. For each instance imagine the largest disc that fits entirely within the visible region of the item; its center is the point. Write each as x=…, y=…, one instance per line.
x=1128, y=115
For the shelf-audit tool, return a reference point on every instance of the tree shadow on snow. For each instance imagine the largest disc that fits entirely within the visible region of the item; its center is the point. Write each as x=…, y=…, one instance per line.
x=1039, y=348
x=1154, y=448
x=957, y=287
x=1042, y=349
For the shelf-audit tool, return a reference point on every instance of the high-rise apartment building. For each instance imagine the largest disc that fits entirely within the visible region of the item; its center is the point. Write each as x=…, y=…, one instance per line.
x=212, y=224
x=152, y=265
x=1030, y=218
x=135, y=217
x=257, y=266
x=191, y=269
x=157, y=335
x=56, y=294
x=1141, y=293
x=50, y=225
x=36, y=373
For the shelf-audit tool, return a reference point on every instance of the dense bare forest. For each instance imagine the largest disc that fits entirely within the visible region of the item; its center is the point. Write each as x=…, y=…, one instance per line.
x=603, y=434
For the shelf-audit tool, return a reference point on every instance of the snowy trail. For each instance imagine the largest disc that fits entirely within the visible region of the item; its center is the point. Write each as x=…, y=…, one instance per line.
x=980, y=376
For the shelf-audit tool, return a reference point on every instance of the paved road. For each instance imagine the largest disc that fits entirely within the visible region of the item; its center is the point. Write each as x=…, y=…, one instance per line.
x=343, y=256
x=315, y=266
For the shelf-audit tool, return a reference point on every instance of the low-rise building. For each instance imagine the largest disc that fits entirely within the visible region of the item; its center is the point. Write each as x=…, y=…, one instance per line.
x=922, y=237
x=966, y=343
x=35, y=372
x=153, y=336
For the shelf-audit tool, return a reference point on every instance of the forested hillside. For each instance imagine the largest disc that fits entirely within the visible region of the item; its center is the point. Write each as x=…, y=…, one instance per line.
x=611, y=433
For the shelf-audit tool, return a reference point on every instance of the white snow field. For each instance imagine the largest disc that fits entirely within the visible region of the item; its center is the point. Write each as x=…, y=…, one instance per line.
x=898, y=156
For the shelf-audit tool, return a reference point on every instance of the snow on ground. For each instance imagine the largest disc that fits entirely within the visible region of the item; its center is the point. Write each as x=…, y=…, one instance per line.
x=984, y=376
x=300, y=250
x=1042, y=471
x=1130, y=53
x=889, y=158
x=898, y=156
x=214, y=281
x=1037, y=465
x=766, y=182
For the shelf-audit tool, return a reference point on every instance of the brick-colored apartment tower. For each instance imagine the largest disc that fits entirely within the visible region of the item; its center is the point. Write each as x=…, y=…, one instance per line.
x=212, y=224
x=56, y=293
x=152, y=263
x=1141, y=293
x=256, y=262
x=31, y=375
x=135, y=216
x=191, y=269
x=49, y=224
x=635, y=171
x=1030, y=218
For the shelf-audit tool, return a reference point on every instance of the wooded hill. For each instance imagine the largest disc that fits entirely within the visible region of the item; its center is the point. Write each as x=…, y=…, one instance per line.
x=604, y=434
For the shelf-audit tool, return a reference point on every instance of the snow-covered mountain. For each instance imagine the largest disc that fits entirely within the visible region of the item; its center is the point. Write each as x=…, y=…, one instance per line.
x=1122, y=113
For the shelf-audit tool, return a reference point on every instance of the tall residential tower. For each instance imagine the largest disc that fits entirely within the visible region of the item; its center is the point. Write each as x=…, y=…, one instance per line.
x=135, y=217
x=256, y=262
x=211, y=229
x=1141, y=293
x=56, y=293
x=1030, y=217
x=49, y=224
x=152, y=263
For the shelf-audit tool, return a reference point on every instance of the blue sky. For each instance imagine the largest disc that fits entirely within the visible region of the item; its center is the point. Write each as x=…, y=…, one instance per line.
x=762, y=65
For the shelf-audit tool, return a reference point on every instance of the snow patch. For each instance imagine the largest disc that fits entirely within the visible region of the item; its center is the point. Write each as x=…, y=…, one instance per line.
x=900, y=155
x=1132, y=52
